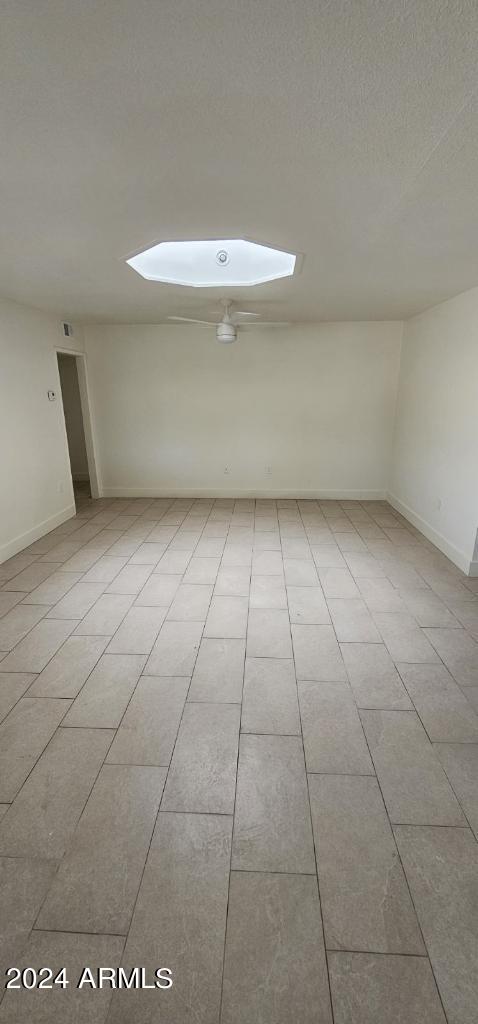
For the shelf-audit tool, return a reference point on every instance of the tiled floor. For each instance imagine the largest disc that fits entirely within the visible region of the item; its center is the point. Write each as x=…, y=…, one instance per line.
x=239, y=740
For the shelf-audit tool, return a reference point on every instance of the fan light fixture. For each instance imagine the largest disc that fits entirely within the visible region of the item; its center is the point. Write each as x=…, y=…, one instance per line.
x=234, y=262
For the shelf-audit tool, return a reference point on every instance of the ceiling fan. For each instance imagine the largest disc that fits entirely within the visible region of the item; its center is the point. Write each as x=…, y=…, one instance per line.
x=226, y=328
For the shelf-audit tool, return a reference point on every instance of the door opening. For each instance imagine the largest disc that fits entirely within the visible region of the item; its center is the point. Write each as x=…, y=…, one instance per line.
x=75, y=428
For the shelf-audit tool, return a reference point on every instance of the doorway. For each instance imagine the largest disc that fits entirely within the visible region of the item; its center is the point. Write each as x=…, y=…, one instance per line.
x=75, y=426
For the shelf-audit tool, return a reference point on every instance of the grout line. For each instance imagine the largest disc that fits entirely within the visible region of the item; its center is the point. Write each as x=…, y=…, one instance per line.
x=407, y=882
x=319, y=897
x=226, y=921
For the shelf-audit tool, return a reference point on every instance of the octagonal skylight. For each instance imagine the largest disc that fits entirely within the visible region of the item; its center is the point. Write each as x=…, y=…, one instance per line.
x=234, y=262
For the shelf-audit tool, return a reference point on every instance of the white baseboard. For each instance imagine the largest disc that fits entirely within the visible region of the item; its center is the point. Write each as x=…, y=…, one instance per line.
x=234, y=492
x=458, y=557
x=473, y=569
x=12, y=547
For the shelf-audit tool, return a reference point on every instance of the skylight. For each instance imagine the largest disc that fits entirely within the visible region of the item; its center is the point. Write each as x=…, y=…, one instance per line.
x=234, y=262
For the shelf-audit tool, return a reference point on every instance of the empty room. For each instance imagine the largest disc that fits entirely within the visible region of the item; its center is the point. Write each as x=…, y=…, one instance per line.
x=238, y=512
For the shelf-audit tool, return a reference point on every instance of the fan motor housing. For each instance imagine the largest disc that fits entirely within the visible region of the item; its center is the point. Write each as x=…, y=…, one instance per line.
x=226, y=333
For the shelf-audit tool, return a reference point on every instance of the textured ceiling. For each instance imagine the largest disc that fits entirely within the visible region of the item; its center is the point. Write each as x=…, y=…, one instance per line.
x=344, y=130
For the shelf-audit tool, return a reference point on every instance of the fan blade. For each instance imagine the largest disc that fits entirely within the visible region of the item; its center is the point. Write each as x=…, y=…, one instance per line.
x=188, y=320
x=242, y=312
x=269, y=323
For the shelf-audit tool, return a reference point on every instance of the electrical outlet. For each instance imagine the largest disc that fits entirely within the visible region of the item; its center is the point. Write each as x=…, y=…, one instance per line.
x=226, y=470
x=438, y=503
x=268, y=470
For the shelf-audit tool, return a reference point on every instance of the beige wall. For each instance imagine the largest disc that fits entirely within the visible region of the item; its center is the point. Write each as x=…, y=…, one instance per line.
x=434, y=477
x=35, y=482
x=305, y=410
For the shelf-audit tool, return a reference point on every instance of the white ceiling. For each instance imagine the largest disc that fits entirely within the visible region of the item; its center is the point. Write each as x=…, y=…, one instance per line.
x=345, y=130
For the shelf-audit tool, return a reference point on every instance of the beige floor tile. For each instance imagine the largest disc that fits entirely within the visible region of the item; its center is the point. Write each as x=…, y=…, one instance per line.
x=460, y=761
x=364, y=565
x=70, y=667
x=35, y=651
x=441, y=865
x=266, y=540
x=13, y=566
x=8, y=600
x=52, y=589
x=371, y=989
x=175, y=650
x=174, y=562
x=270, y=697
x=267, y=563
x=413, y=783
x=148, y=553
x=328, y=556
x=267, y=592
x=104, y=698
x=307, y=605
x=12, y=686
x=404, y=639
x=191, y=603
x=373, y=677
x=268, y=634
x=352, y=621
x=393, y=598
x=338, y=583
x=17, y=622
x=44, y=815
x=350, y=542
x=427, y=608
x=148, y=731
x=131, y=579
x=466, y=612
x=158, y=591
x=105, y=616
x=138, y=631
x=32, y=576
x=106, y=568
x=272, y=828
x=296, y=547
x=275, y=968
x=183, y=897
x=219, y=671
x=210, y=547
x=24, y=734
x=444, y=710
x=227, y=618
x=233, y=582
x=365, y=900
x=459, y=653
x=77, y=602
x=380, y=595
x=202, y=776
x=237, y=555
x=300, y=572
x=23, y=887
x=334, y=740
x=202, y=570
x=317, y=654
x=110, y=843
